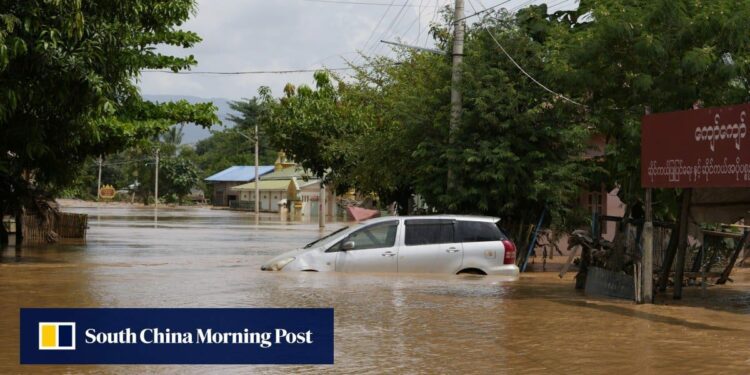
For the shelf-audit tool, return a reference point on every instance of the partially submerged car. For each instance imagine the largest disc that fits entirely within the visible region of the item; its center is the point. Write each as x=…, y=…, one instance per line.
x=412, y=244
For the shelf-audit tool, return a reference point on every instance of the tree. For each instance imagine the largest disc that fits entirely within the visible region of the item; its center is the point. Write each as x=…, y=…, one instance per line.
x=622, y=59
x=180, y=176
x=518, y=150
x=231, y=146
x=250, y=112
x=315, y=127
x=67, y=91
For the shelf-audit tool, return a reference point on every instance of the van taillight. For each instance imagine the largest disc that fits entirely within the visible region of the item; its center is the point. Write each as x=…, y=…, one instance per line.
x=510, y=252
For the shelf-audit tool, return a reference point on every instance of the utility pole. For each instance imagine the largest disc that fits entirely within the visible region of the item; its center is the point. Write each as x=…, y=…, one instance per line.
x=257, y=175
x=647, y=271
x=156, y=181
x=99, y=181
x=322, y=203
x=256, y=139
x=647, y=260
x=456, y=100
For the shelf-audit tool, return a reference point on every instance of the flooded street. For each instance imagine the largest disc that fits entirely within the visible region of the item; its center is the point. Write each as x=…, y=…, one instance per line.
x=383, y=323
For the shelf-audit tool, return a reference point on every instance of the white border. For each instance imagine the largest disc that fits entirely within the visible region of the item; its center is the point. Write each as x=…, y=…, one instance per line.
x=57, y=335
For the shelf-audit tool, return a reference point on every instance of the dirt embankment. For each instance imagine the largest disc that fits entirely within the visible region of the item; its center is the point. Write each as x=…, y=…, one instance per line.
x=82, y=203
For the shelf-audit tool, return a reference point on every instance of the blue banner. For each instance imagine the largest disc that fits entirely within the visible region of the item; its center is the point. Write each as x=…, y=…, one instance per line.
x=176, y=336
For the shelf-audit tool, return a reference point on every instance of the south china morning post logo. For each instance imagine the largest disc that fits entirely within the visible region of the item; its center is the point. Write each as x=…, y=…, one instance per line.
x=177, y=336
x=57, y=336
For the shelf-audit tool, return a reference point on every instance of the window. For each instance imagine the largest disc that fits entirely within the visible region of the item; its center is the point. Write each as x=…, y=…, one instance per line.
x=479, y=231
x=427, y=232
x=595, y=203
x=375, y=236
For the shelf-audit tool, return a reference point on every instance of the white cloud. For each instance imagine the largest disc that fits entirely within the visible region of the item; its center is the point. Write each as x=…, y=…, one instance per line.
x=241, y=35
x=268, y=35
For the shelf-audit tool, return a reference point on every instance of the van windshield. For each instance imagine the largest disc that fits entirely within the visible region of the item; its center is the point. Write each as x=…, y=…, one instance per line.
x=324, y=238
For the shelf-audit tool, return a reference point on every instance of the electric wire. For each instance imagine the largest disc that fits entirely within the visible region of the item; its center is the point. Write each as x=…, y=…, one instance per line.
x=377, y=25
x=286, y=71
x=377, y=45
x=520, y=68
x=360, y=3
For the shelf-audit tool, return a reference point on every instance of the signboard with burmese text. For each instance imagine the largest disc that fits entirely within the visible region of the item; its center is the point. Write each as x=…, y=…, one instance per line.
x=701, y=148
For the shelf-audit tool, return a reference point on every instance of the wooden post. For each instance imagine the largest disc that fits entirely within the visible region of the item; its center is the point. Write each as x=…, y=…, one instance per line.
x=666, y=266
x=647, y=260
x=19, y=226
x=740, y=245
x=3, y=232
x=99, y=180
x=682, y=243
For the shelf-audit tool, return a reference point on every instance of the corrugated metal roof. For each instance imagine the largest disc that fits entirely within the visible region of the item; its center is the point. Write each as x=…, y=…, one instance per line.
x=239, y=173
x=265, y=185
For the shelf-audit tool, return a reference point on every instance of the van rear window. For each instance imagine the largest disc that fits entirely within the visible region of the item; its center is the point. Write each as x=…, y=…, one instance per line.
x=479, y=231
x=428, y=232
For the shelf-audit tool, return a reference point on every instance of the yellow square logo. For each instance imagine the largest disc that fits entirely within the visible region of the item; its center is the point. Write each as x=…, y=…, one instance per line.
x=57, y=336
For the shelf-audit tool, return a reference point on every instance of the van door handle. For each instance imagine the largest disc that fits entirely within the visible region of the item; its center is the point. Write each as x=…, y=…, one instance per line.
x=388, y=254
x=451, y=250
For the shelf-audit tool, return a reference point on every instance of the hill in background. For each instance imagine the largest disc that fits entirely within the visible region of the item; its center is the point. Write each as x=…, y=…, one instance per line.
x=192, y=132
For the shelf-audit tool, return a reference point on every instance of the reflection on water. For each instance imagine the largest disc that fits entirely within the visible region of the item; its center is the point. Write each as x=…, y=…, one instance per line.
x=384, y=323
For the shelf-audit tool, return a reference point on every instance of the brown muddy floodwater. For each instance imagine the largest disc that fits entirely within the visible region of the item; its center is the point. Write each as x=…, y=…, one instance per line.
x=383, y=323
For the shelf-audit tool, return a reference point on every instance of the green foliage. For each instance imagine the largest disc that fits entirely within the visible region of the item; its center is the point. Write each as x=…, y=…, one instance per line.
x=234, y=146
x=67, y=90
x=314, y=127
x=622, y=58
x=180, y=175
x=517, y=150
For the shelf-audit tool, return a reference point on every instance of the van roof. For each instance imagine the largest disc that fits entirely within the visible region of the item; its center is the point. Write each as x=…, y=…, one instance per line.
x=489, y=219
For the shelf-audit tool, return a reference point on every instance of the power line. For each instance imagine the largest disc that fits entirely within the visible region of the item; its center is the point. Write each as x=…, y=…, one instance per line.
x=482, y=25
x=288, y=71
x=557, y=4
x=434, y=16
x=395, y=21
x=362, y=3
x=482, y=11
x=367, y=42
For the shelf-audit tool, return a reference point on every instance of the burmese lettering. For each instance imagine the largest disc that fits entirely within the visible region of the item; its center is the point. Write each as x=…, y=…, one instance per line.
x=702, y=170
x=719, y=132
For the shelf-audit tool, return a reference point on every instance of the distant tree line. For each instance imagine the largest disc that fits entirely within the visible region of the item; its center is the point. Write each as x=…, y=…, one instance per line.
x=67, y=89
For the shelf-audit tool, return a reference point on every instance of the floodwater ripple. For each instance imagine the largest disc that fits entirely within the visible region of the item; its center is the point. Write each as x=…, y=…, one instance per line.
x=384, y=323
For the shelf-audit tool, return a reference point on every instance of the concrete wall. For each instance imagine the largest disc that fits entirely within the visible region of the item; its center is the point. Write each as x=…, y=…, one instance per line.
x=222, y=192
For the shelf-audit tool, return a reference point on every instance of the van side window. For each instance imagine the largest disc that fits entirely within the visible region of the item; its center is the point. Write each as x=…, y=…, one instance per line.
x=427, y=232
x=375, y=236
x=479, y=231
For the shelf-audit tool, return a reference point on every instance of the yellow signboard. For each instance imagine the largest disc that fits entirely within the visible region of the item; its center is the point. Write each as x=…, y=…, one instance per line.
x=107, y=192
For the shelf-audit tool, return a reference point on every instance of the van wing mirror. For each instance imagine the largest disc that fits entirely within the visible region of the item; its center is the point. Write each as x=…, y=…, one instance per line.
x=348, y=245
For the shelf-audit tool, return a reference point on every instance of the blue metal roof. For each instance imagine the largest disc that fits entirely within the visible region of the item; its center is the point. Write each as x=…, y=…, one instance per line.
x=242, y=173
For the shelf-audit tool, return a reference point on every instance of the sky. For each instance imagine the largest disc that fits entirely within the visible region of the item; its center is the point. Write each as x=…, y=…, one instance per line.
x=262, y=35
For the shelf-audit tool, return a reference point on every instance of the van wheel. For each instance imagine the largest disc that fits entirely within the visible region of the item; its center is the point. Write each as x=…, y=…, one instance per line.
x=471, y=271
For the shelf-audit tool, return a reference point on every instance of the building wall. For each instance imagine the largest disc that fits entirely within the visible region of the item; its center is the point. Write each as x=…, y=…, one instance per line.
x=310, y=197
x=269, y=199
x=222, y=192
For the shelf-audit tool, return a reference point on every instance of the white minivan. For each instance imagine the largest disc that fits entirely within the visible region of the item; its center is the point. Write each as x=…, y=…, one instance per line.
x=447, y=244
